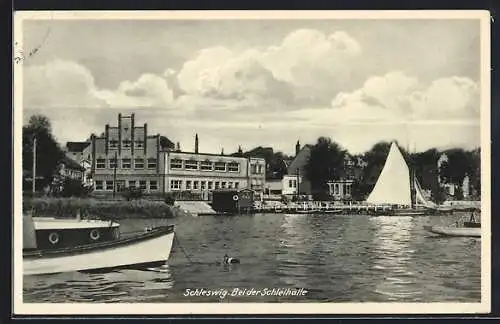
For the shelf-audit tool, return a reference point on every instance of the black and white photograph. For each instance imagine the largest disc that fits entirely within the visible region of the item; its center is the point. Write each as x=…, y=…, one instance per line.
x=251, y=162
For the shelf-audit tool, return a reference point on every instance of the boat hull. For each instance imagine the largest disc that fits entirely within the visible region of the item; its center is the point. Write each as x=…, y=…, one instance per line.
x=149, y=248
x=455, y=231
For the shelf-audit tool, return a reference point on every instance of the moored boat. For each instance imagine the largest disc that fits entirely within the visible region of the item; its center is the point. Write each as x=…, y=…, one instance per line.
x=455, y=231
x=148, y=249
x=397, y=186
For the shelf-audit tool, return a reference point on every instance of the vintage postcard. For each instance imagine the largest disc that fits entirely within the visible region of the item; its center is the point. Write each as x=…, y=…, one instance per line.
x=284, y=162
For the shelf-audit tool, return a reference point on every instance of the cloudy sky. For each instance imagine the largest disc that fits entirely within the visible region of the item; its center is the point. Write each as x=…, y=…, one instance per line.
x=260, y=82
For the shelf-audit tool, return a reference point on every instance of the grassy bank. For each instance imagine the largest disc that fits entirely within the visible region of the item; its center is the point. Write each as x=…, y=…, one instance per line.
x=91, y=208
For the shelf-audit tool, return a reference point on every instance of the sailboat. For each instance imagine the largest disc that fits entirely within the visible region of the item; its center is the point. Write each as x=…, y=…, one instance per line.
x=398, y=187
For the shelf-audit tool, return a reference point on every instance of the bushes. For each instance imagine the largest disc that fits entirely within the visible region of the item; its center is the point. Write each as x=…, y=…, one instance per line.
x=132, y=193
x=98, y=209
x=169, y=199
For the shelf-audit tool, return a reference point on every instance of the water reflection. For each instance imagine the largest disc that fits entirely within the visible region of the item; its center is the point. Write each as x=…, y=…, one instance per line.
x=115, y=286
x=392, y=256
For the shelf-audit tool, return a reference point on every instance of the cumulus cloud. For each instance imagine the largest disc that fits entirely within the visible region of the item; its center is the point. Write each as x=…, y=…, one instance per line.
x=59, y=83
x=396, y=96
x=303, y=66
x=67, y=84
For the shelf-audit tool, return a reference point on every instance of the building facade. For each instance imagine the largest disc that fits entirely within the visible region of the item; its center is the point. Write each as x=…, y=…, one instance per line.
x=185, y=171
x=126, y=155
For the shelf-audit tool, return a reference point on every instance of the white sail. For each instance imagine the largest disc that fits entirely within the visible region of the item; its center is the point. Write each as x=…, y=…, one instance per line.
x=393, y=184
x=419, y=197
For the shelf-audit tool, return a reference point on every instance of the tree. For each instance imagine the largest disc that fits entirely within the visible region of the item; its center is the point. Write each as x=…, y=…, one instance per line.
x=325, y=163
x=48, y=152
x=460, y=163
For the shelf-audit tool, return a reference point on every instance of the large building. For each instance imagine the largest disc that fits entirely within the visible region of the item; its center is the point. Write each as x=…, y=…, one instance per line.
x=128, y=155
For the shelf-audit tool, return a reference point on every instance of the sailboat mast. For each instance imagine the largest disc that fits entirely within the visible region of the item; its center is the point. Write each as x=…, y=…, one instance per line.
x=413, y=192
x=33, y=188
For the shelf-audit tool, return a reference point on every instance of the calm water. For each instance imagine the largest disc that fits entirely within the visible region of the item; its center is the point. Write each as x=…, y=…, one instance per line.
x=335, y=258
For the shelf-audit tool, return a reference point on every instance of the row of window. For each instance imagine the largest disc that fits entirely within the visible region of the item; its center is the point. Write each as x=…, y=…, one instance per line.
x=178, y=164
x=202, y=185
x=336, y=189
x=256, y=169
x=143, y=184
x=126, y=163
x=126, y=144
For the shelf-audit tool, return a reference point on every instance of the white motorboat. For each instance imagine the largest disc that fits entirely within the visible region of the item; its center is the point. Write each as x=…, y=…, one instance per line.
x=53, y=246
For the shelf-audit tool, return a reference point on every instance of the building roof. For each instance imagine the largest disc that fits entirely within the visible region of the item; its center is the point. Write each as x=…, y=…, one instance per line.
x=76, y=146
x=300, y=161
x=72, y=164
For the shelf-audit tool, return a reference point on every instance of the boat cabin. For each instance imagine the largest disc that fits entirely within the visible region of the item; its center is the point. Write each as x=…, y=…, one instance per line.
x=49, y=233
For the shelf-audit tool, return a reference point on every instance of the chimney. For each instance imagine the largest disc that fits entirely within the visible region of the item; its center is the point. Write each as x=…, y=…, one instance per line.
x=196, y=144
x=297, y=148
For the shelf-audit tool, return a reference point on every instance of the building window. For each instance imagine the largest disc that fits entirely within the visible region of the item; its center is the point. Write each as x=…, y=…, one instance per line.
x=175, y=164
x=120, y=184
x=220, y=166
x=210, y=185
x=203, y=185
x=259, y=169
x=290, y=183
x=113, y=144
x=233, y=167
x=109, y=185
x=196, y=185
x=223, y=184
x=132, y=183
x=139, y=144
x=230, y=185
x=126, y=163
x=253, y=169
x=188, y=184
x=139, y=163
x=153, y=185
x=206, y=166
x=142, y=184
x=112, y=163
x=99, y=185
x=236, y=185
x=348, y=189
x=127, y=143
x=151, y=163
x=101, y=164
x=191, y=165
x=217, y=185
x=336, y=189
x=175, y=184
